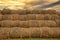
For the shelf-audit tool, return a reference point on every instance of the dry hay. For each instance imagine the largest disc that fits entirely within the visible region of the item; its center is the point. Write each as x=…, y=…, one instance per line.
x=11, y=17
x=33, y=23
x=40, y=16
x=57, y=22
x=14, y=17
x=31, y=17
x=22, y=17
x=0, y=17
x=47, y=23
x=50, y=32
x=43, y=16
x=42, y=23
x=51, y=16
x=17, y=32
x=29, y=23
x=4, y=32
x=23, y=24
x=10, y=23
x=55, y=16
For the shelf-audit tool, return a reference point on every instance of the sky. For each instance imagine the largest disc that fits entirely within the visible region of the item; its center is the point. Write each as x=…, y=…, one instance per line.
x=30, y=4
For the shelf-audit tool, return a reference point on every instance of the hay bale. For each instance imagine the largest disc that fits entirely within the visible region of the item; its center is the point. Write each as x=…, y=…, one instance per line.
x=47, y=17
x=33, y=23
x=23, y=24
x=15, y=32
x=1, y=17
x=4, y=33
x=40, y=16
x=31, y=16
x=58, y=23
x=23, y=17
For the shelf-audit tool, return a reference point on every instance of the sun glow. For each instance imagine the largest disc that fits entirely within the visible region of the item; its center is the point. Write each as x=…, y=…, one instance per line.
x=15, y=4
x=21, y=4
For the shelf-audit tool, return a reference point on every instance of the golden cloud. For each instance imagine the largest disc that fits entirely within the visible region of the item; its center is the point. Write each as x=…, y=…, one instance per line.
x=21, y=4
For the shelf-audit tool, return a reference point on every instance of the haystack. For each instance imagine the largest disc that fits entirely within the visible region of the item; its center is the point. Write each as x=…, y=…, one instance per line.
x=30, y=23
x=17, y=32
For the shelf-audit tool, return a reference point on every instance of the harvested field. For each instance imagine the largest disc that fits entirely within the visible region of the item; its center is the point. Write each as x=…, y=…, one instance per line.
x=30, y=17
x=30, y=23
x=17, y=32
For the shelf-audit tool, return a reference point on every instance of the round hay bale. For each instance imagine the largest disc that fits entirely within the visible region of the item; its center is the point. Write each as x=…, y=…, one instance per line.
x=25, y=32
x=23, y=24
x=4, y=33
x=35, y=32
x=31, y=16
x=33, y=23
x=15, y=32
x=1, y=17
x=5, y=17
x=40, y=16
x=23, y=17
x=58, y=23
x=47, y=17
x=13, y=17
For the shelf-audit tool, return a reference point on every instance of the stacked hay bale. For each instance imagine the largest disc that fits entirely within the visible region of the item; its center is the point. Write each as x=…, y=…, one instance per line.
x=29, y=24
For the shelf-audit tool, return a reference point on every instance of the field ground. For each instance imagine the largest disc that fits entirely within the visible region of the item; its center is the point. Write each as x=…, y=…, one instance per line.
x=35, y=39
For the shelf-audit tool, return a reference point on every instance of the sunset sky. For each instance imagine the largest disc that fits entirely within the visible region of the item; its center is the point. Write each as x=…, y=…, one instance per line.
x=30, y=4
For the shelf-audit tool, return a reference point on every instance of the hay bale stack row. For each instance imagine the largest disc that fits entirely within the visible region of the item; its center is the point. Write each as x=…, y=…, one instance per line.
x=30, y=17
x=29, y=24
x=17, y=32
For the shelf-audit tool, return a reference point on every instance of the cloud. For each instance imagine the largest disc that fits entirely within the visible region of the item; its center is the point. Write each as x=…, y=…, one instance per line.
x=29, y=4
x=51, y=5
x=46, y=5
